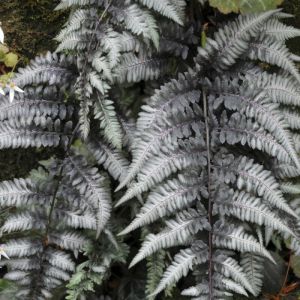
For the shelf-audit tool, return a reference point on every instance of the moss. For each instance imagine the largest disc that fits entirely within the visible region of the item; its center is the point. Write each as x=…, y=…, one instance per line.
x=31, y=25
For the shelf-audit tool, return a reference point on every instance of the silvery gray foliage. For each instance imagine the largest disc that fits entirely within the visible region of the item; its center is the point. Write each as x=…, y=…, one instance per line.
x=63, y=203
x=210, y=153
x=114, y=42
x=48, y=217
x=126, y=42
x=123, y=43
x=68, y=199
x=39, y=117
x=211, y=150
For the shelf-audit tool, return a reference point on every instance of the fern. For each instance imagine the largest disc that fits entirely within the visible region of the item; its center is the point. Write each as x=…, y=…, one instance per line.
x=118, y=56
x=193, y=127
x=104, y=111
x=24, y=125
x=155, y=267
x=171, y=10
x=53, y=214
x=212, y=154
x=101, y=254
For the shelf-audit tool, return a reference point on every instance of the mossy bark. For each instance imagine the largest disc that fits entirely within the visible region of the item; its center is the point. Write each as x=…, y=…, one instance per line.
x=30, y=25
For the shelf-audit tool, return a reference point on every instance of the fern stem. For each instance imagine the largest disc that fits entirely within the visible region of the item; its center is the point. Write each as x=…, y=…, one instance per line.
x=286, y=274
x=59, y=176
x=210, y=204
x=99, y=21
x=89, y=48
x=53, y=201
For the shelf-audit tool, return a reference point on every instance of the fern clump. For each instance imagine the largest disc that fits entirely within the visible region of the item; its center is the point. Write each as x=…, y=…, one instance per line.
x=122, y=44
x=49, y=216
x=205, y=138
x=191, y=156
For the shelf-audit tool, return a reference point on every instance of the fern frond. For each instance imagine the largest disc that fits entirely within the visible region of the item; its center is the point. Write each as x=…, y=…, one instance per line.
x=98, y=83
x=232, y=286
x=60, y=259
x=77, y=219
x=93, y=186
x=24, y=264
x=177, y=232
x=84, y=120
x=105, y=112
x=73, y=41
x=279, y=89
x=232, y=40
x=152, y=140
x=161, y=167
x=292, y=118
x=171, y=9
x=69, y=240
x=74, y=23
x=181, y=265
x=21, y=222
x=238, y=239
x=253, y=177
x=231, y=269
x=165, y=199
x=43, y=275
x=266, y=114
x=286, y=171
x=252, y=265
x=51, y=69
x=18, y=137
x=27, y=107
x=22, y=247
x=280, y=31
x=248, y=208
x=290, y=188
x=189, y=149
x=112, y=160
x=141, y=22
x=241, y=130
x=135, y=68
x=16, y=275
x=20, y=193
x=173, y=97
x=64, y=4
x=155, y=269
x=274, y=52
x=112, y=46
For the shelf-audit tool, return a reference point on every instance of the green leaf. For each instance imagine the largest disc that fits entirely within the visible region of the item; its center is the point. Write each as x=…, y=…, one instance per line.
x=8, y=289
x=3, y=51
x=295, y=265
x=252, y=6
x=11, y=59
x=244, y=6
x=225, y=6
x=76, y=279
x=6, y=284
x=203, y=39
